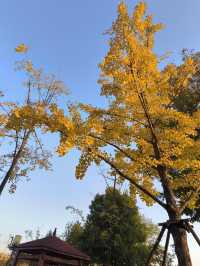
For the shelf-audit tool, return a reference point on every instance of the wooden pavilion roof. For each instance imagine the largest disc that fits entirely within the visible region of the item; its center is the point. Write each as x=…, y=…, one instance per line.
x=55, y=245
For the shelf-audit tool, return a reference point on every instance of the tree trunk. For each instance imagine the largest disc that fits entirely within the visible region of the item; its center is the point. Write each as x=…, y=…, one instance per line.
x=181, y=246
x=179, y=234
x=14, y=162
x=4, y=182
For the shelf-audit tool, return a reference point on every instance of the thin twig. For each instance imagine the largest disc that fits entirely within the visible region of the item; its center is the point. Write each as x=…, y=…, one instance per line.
x=188, y=199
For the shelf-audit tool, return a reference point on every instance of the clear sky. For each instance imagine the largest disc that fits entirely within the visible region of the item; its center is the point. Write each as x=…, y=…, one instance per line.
x=66, y=38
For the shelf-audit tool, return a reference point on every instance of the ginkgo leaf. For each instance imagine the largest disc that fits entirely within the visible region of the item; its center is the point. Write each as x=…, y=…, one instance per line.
x=21, y=48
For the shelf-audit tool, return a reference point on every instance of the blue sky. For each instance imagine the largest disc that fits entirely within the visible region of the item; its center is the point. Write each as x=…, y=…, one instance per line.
x=66, y=38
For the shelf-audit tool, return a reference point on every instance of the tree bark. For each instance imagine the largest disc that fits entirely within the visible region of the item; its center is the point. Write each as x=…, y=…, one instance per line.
x=14, y=162
x=4, y=182
x=179, y=234
x=181, y=246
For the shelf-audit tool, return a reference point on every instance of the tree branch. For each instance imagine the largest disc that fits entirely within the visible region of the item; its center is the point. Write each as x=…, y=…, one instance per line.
x=170, y=197
x=188, y=199
x=38, y=140
x=14, y=161
x=113, y=145
x=162, y=204
x=125, y=117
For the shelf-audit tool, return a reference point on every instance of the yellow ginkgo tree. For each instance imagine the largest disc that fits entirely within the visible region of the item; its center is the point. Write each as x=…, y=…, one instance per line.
x=21, y=124
x=139, y=135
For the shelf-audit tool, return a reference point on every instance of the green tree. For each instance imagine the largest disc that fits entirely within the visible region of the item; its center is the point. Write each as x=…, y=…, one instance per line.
x=114, y=233
x=73, y=233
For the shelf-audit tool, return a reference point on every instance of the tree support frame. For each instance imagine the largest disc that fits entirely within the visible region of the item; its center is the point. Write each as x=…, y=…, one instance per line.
x=168, y=225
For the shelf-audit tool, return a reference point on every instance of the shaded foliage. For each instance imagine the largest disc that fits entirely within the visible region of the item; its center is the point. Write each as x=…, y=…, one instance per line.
x=114, y=233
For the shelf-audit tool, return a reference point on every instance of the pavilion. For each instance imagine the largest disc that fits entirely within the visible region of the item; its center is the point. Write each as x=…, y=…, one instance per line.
x=48, y=251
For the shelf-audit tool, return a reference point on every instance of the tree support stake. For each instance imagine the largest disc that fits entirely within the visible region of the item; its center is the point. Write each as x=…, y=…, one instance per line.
x=183, y=223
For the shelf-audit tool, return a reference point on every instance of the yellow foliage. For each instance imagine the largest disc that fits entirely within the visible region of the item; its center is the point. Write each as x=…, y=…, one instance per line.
x=3, y=258
x=140, y=124
x=65, y=147
x=29, y=66
x=21, y=48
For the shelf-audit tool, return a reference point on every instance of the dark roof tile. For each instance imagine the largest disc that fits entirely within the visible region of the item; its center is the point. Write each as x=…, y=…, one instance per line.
x=54, y=244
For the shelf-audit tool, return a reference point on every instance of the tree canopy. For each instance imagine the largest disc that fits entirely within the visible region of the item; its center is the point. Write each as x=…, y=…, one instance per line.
x=114, y=233
x=148, y=135
x=21, y=149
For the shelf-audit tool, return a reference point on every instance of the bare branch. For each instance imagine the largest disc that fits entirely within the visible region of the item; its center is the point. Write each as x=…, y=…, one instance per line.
x=38, y=141
x=29, y=93
x=125, y=117
x=16, y=144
